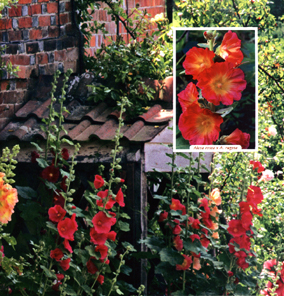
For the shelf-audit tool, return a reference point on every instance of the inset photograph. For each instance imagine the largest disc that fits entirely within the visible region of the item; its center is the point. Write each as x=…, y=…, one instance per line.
x=215, y=90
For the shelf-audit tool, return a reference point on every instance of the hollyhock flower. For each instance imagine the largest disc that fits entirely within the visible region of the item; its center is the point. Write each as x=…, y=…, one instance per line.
x=270, y=264
x=177, y=206
x=185, y=264
x=2, y=251
x=56, y=213
x=65, y=264
x=67, y=245
x=215, y=196
x=230, y=49
x=214, y=211
x=55, y=287
x=254, y=195
x=178, y=243
x=194, y=237
x=267, y=175
x=163, y=216
x=204, y=241
x=194, y=223
x=100, y=279
x=200, y=126
x=91, y=267
x=237, y=137
x=222, y=84
x=51, y=174
x=272, y=131
x=241, y=262
x=204, y=204
x=236, y=228
x=112, y=235
x=34, y=156
x=102, y=223
x=65, y=153
x=67, y=227
x=56, y=254
x=197, y=60
x=98, y=238
x=257, y=165
x=58, y=199
x=242, y=241
x=244, y=207
x=102, y=249
x=230, y=273
x=215, y=235
x=196, y=263
x=8, y=200
x=206, y=220
x=188, y=96
x=246, y=220
x=63, y=184
x=98, y=182
x=120, y=198
x=103, y=195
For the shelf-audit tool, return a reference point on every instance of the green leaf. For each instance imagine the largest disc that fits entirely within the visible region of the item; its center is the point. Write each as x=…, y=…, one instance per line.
x=87, y=289
x=126, y=269
x=125, y=216
x=48, y=273
x=130, y=247
x=154, y=243
x=26, y=192
x=42, y=163
x=10, y=240
x=64, y=140
x=51, y=225
x=91, y=251
x=171, y=256
x=123, y=226
x=37, y=147
x=69, y=291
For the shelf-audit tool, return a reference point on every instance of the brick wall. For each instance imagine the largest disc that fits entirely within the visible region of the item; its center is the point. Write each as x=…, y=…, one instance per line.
x=40, y=38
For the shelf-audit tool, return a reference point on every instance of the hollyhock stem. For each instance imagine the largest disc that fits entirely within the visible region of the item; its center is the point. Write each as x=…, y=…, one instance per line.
x=44, y=289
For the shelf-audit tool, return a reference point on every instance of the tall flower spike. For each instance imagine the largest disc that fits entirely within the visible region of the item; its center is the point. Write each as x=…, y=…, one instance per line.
x=222, y=83
x=200, y=126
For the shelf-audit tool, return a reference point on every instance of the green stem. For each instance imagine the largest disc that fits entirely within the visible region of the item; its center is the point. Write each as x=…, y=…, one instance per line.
x=181, y=59
x=44, y=288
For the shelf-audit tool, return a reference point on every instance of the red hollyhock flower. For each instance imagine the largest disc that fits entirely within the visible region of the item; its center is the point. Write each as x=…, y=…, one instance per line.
x=98, y=238
x=203, y=239
x=194, y=237
x=177, y=206
x=237, y=137
x=178, y=243
x=60, y=276
x=112, y=235
x=163, y=216
x=244, y=207
x=257, y=165
x=194, y=223
x=65, y=264
x=222, y=84
x=177, y=229
x=67, y=245
x=63, y=184
x=101, y=279
x=56, y=254
x=120, y=198
x=55, y=287
x=254, y=195
x=34, y=156
x=56, y=213
x=204, y=204
x=230, y=273
x=103, y=195
x=65, y=153
x=67, y=227
x=50, y=173
x=102, y=249
x=58, y=199
x=236, y=228
x=91, y=267
x=197, y=60
x=200, y=126
x=246, y=220
x=241, y=262
x=230, y=49
x=102, y=223
x=188, y=96
x=98, y=182
x=186, y=263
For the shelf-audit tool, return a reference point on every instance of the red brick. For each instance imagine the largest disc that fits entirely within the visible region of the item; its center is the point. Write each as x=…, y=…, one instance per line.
x=21, y=84
x=36, y=9
x=102, y=15
x=68, y=6
x=44, y=21
x=89, y=52
x=25, y=22
x=24, y=1
x=15, y=11
x=53, y=31
x=39, y=1
x=24, y=72
x=7, y=110
x=14, y=96
x=5, y=24
x=72, y=54
x=71, y=65
x=4, y=85
x=41, y=58
x=64, y=18
x=52, y=7
x=15, y=35
x=35, y=34
x=20, y=60
x=60, y=55
x=93, y=41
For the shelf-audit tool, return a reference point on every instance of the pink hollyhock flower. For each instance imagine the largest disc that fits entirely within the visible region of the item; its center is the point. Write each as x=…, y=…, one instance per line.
x=266, y=176
x=230, y=49
x=236, y=228
x=237, y=137
x=197, y=60
x=188, y=96
x=102, y=249
x=120, y=198
x=222, y=83
x=178, y=243
x=186, y=263
x=56, y=254
x=104, y=194
x=102, y=223
x=200, y=126
x=56, y=213
x=65, y=264
x=67, y=227
x=98, y=182
x=51, y=174
x=177, y=206
x=272, y=131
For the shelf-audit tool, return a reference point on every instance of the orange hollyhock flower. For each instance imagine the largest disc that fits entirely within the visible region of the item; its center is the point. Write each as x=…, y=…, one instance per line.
x=237, y=137
x=222, y=83
x=215, y=196
x=230, y=49
x=188, y=96
x=200, y=126
x=186, y=263
x=197, y=60
x=8, y=200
